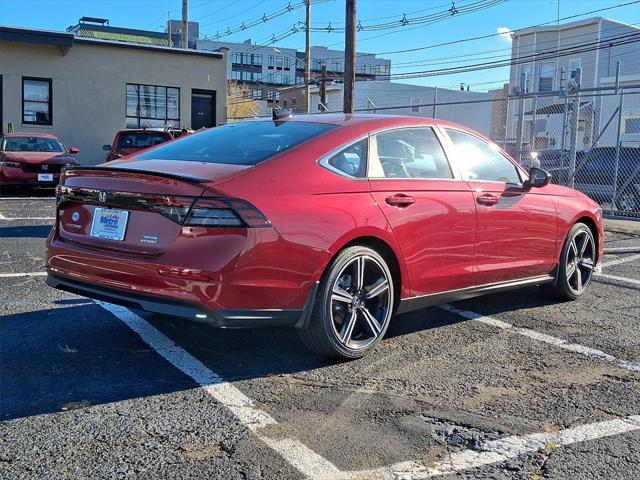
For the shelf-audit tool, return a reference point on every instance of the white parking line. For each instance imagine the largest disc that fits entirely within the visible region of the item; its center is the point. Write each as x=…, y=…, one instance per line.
x=621, y=249
x=543, y=337
x=497, y=451
x=2, y=217
x=620, y=260
x=27, y=274
x=619, y=279
x=293, y=451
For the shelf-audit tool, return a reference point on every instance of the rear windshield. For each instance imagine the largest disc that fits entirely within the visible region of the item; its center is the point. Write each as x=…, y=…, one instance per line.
x=140, y=139
x=245, y=143
x=31, y=144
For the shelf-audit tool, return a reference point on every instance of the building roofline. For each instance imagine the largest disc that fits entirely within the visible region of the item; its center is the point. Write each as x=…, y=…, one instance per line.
x=567, y=26
x=66, y=39
x=28, y=35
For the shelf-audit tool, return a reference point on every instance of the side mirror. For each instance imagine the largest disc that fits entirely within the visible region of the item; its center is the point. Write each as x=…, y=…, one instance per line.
x=537, y=178
x=106, y=148
x=74, y=150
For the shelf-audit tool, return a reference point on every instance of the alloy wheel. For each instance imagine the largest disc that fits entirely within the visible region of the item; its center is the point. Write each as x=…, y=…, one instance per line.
x=579, y=266
x=360, y=302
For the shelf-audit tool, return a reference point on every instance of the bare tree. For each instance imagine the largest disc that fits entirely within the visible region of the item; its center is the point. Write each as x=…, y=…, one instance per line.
x=240, y=102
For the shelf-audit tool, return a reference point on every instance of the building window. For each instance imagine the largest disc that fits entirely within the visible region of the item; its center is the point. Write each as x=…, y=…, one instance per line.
x=366, y=69
x=278, y=63
x=257, y=93
x=285, y=79
x=270, y=60
x=278, y=78
x=36, y=101
x=524, y=81
x=287, y=63
x=382, y=70
x=415, y=104
x=152, y=106
x=545, y=77
x=631, y=125
x=336, y=65
x=575, y=69
x=257, y=60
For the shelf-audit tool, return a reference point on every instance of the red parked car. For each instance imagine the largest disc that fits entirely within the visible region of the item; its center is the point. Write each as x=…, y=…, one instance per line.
x=327, y=223
x=33, y=159
x=131, y=141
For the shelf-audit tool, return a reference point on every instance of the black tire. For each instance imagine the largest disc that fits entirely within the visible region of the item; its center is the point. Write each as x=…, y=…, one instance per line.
x=571, y=284
x=331, y=312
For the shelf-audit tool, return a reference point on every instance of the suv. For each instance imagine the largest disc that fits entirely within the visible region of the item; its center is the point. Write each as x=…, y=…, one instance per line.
x=131, y=141
x=595, y=174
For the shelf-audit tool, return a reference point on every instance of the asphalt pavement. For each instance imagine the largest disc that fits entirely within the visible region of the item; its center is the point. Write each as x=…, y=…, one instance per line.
x=509, y=386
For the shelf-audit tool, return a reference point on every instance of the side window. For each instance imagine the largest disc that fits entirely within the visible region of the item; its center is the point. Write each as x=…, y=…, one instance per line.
x=352, y=160
x=482, y=161
x=411, y=153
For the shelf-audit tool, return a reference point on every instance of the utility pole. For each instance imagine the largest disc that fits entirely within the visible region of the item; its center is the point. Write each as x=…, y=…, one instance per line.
x=169, y=29
x=349, y=56
x=519, y=133
x=185, y=24
x=323, y=89
x=307, y=56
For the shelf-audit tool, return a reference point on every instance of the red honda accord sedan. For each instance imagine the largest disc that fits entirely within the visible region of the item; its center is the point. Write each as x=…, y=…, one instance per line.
x=33, y=159
x=326, y=223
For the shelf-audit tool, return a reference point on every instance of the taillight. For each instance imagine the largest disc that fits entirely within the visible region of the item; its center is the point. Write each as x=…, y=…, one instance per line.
x=225, y=212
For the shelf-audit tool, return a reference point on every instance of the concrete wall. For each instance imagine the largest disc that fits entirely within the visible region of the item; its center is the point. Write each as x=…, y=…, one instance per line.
x=89, y=87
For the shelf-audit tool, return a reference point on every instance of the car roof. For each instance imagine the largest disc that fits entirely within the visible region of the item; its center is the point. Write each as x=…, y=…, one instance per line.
x=28, y=134
x=373, y=121
x=143, y=130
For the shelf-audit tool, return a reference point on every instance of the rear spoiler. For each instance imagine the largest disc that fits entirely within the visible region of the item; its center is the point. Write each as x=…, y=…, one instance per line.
x=175, y=176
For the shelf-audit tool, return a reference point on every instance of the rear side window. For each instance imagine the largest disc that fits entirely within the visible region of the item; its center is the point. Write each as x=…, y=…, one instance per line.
x=140, y=140
x=352, y=160
x=244, y=143
x=411, y=153
x=480, y=160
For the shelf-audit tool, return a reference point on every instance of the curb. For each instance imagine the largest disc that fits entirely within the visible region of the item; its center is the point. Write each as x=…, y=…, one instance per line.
x=618, y=225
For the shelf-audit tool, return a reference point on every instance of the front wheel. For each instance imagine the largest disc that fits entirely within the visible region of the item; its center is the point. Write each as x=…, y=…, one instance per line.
x=577, y=262
x=353, y=305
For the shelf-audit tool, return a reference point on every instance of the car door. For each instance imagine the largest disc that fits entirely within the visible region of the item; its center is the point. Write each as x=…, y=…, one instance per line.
x=516, y=228
x=430, y=209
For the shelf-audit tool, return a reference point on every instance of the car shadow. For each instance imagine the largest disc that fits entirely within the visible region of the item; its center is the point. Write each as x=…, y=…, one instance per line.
x=25, y=231
x=80, y=354
x=22, y=191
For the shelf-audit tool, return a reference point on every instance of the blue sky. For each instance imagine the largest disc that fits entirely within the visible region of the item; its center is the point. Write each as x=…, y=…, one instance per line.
x=218, y=15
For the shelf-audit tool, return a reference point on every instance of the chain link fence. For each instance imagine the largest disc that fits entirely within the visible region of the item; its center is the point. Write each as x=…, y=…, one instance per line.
x=588, y=139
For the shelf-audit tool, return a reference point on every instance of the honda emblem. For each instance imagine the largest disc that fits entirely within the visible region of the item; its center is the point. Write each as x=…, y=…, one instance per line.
x=102, y=197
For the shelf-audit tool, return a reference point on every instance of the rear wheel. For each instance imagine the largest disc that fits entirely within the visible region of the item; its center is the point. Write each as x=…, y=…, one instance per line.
x=577, y=262
x=353, y=305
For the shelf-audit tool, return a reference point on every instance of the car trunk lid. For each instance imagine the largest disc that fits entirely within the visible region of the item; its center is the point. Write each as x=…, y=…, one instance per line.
x=130, y=210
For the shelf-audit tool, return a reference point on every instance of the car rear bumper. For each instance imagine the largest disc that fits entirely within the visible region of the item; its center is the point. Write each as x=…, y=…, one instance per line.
x=15, y=176
x=249, y=318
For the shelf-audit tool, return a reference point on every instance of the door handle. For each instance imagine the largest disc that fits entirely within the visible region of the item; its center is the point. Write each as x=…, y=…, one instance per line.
x=486, y=199
x=400, y=200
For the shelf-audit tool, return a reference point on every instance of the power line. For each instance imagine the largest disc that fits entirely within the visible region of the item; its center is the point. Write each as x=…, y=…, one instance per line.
x=470, y=39
x=260, y=20
x=408, y=20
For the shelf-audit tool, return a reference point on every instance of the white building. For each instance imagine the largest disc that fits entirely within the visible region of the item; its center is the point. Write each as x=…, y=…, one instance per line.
x=586, y=51
x=471, y=109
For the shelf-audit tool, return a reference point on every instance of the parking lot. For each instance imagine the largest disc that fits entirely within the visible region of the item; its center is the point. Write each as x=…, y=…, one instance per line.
x=507, y=386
